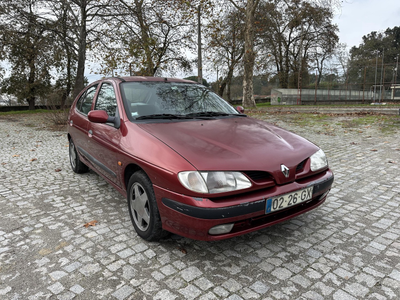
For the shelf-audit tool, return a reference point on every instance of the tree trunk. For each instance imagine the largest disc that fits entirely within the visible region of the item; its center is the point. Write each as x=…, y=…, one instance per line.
x=221, y=88
x=31, y=102
x=228, y=91
x=147, y=43
x=68, y=51
x=31, y=59
x=80, y=72
x=249, y=55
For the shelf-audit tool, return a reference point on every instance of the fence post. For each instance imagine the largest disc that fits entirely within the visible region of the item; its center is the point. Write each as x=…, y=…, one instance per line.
x=365, y=73
x=347, y=85
x=315, y=97
x=383, y=83
x=329, y=86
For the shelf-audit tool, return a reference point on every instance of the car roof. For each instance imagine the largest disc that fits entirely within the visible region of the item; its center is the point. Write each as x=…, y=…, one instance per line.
x=146, y=78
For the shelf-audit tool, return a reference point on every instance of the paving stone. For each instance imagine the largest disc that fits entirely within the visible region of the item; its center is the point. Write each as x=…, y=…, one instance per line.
x=123, y=292
x=259, y=287
x=56, y=288
x=190, y=292
x=57, y=275
x=190, y=273
x=77, y=289
x=203, y=283
x=357, y=290
x=90, y=269
x=282, y=273
x=165, y=295
x=341, y=295
x=232, y=285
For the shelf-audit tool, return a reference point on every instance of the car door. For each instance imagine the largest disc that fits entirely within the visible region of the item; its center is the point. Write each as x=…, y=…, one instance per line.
x=78, y=119
x=104, y=138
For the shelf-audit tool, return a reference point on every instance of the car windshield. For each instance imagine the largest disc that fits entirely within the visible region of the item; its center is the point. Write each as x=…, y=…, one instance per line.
x=172, y=100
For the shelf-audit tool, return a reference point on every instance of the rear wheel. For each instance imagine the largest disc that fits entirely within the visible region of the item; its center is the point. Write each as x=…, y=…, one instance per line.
x=76, y=164
x=143, y=208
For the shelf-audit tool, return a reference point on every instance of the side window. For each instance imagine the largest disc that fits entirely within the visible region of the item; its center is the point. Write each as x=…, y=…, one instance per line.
x=106, y=100
x=85, y=101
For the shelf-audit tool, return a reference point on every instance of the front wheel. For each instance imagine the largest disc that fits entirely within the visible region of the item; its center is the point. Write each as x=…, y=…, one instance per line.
x=143, y=208
x=76, y=164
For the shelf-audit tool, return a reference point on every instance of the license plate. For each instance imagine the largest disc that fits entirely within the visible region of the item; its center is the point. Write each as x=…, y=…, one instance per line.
x=287, y=200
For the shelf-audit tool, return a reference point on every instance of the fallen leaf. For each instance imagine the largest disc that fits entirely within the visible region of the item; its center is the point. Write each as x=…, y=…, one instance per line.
x=33, y=159
x=91, y=223
x=61, y=245
x=353, y=143
x=57, y=170
x=44, y=251
x=3, y=164
x=16, y=155
x=183, y=250
x=374, y=150
x=391, y=162
x=33, y=150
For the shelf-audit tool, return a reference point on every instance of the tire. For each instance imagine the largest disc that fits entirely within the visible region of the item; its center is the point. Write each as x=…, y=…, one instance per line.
x=76, y=164
x=143, y=208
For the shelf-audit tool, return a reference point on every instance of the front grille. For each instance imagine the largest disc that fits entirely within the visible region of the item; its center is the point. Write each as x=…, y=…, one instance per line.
x=259, y=176
x=300, y=166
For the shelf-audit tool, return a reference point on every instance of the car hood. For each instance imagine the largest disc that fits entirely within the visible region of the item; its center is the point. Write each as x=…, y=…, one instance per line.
x=233, y=144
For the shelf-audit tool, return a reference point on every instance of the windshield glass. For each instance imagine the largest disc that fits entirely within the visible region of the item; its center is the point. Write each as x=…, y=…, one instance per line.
x=171, y=99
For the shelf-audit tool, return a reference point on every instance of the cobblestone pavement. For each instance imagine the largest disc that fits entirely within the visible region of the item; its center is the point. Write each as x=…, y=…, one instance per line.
x=349, y=248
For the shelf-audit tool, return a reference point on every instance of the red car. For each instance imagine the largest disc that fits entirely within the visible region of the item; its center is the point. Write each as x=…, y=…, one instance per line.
x=188, y=162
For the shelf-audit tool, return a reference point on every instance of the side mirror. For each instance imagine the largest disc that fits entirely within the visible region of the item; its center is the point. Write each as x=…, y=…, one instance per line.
x=101, y=116
x=98, y=116
x=240, y=109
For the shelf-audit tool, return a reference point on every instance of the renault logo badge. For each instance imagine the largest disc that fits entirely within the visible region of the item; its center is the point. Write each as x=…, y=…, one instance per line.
x=285, y=170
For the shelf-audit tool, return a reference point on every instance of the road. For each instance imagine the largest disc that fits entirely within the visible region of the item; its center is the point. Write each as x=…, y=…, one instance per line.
x=349, y=248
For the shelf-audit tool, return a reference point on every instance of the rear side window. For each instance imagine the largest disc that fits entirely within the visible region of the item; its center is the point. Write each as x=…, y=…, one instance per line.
x=106, y=100
x=84, y=103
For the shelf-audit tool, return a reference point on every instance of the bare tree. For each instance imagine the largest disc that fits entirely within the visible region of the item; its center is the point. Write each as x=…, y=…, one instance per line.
x=151, y=38
x=85, y=16
x=249, y=8
x=25, y=44
x=226, y=46
x=295, y=32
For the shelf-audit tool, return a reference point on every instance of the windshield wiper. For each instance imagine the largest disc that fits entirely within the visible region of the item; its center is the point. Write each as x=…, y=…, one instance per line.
x=163, y=116
x=198, y=115
x=212, y=114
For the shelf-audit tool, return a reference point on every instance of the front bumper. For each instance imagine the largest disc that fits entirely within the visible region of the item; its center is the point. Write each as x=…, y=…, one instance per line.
x=193, y=217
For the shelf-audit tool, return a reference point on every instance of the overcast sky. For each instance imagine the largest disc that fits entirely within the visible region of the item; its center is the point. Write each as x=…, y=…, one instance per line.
x=355, y=19
x=360, y=17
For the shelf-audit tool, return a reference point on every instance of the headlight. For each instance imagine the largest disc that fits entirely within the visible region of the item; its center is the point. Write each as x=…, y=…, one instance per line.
x=318, y=160
x=213, y=182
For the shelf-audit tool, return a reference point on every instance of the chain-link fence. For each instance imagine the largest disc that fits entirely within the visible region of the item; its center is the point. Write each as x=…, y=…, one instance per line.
x=326, y=96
